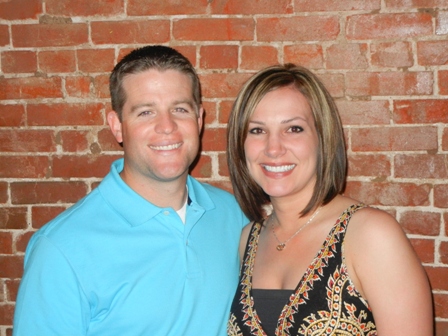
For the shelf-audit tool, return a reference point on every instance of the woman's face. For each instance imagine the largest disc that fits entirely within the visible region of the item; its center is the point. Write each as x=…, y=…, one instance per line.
x=282, y=144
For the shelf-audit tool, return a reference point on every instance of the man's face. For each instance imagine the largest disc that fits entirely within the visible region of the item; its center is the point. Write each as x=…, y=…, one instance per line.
x=160, y=126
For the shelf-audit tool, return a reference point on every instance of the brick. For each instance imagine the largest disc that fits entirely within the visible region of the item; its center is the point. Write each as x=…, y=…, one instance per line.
x=442, y=24
x=12, y=115
x=307, y=55
x=225, y=106
x=392, y=54
x=82, y=166
x=3, y=192
x=421, y=223
x=22, y=241
x=40, y=215
x=334, y=84
x=219, y=57
x=84, y=7
x=74, y=141
x=167, y=7
x=225, y=185
x=23, y=166
x=57, y=61
x=107, y=141
x=437, y=277
x=189, y=52
x=49, y=35
x=257, y=57
x=12, y=287
x=27, y=141
x=6, y=312
x=367, y=112
x=135, y=31
x=222, y=85
x=13, y=218
x=223, y=168
x=47, y=192
x=431, y=166
x=424, y=249
x=20, y=9
x=210, y=112
x=389, y=83
x=214, y=139
x=301, y=6
x=394, y=25
x=10, y=267
x=95, y=60
x=78, y=86
x=445, y=220
x=347, y=56
x=65, y=114
x=443, y=252
x=432, y=52
x=101, y=86
x=377, y=166
x=428, y=111
x=214, y=29
x=407, y=4
x=394, y=139
x=5, y=240
x=443, y=81
x=389, y=194
x=298, y=28
x=30, y=87
x=441, y=328
x=441, y=196
x=251, y=7
x=19, y=61
x=4, y=35
x=202, y=167
x=445, y=139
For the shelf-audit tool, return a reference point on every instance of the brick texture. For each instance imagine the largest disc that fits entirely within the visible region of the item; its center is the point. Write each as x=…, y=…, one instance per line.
x=385, y=63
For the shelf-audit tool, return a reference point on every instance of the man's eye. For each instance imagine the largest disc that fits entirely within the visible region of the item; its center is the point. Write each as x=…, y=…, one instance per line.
x=255, y=130
x=144, y=113
x=181, y=110
x=296, y=129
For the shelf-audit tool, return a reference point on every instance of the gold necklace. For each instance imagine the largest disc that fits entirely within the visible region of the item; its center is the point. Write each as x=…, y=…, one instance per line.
x=281, y=246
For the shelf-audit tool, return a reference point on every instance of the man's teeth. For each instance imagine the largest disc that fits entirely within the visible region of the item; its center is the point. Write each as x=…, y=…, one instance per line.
x=279, y=169
x=167, y=147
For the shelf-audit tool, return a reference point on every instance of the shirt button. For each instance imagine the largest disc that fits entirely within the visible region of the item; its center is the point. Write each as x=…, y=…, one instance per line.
x=166, y=212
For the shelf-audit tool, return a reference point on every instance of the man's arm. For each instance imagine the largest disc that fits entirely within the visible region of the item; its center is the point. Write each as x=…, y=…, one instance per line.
x=50, y=300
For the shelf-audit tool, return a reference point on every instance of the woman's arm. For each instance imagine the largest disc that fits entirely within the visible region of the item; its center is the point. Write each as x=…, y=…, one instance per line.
x=388, y=273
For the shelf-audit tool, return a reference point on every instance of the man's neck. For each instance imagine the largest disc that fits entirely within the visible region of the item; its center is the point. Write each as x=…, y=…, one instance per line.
x=163, y=194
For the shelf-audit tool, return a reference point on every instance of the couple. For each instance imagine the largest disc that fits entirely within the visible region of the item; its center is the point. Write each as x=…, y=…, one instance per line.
x=152, y=251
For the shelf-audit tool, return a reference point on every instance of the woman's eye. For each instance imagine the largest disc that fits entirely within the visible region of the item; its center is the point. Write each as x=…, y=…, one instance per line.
x=295, y=129
x=255, y=130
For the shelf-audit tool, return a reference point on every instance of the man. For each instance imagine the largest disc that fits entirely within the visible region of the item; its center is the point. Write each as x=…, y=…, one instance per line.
x=150, y=251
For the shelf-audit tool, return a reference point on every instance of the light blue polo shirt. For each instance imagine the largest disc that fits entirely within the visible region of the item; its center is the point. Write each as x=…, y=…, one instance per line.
x=114, y=264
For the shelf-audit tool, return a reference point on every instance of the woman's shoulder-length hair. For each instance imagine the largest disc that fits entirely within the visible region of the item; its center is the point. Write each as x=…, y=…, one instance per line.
x=331, y=159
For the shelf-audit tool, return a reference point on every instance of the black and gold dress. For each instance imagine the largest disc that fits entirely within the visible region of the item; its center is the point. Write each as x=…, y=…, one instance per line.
x=325, y=302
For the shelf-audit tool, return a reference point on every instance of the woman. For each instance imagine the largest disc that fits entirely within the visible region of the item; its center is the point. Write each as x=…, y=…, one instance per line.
x=314, y=262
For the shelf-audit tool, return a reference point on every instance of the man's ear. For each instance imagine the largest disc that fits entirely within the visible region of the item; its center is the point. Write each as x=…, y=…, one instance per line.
x=200, y=118
x=115, y=126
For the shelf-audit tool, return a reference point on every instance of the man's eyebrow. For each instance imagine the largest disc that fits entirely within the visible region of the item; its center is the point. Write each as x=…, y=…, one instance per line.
x=138, y=106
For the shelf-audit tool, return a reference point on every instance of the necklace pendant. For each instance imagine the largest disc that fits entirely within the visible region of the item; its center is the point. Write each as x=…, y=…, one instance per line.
x=280, y=247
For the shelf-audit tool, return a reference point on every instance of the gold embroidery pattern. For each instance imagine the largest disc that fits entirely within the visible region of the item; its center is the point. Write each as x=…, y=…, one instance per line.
x=343, y=312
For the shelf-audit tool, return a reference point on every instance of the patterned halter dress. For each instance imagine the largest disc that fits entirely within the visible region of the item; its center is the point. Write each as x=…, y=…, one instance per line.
x=325, y=301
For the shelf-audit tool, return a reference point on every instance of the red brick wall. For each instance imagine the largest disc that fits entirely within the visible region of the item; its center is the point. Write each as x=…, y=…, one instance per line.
x=384, y=61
